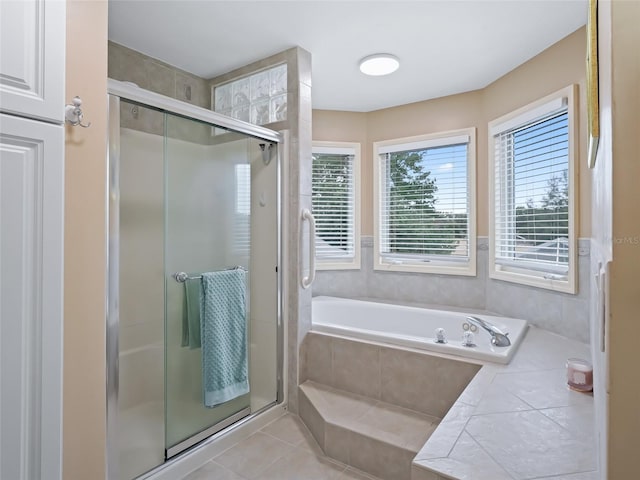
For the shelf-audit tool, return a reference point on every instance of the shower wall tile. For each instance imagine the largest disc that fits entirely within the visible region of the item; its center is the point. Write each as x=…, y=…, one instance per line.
x=304, y=175
x=130, y=66
x=160, y=79
x=198, y=88
x=126, y=65
x=305, y=103
x=544, y=308
x=575, y=314
x=304, y=67
x=341, y=283
x=561, y=313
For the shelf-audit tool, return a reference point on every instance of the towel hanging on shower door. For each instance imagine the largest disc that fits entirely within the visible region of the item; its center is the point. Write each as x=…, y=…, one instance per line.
x=191, y=313
x=223, y=327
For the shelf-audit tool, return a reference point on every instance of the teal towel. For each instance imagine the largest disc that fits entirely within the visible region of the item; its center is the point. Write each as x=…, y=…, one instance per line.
x=191, y=313
x=224, y=336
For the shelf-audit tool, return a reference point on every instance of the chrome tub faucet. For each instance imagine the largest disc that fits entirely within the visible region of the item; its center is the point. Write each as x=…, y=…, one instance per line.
x=498, y=338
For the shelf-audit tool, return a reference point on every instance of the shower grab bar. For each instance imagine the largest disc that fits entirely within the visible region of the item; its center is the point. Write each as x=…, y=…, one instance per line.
x=308, y=280
x=183, y=276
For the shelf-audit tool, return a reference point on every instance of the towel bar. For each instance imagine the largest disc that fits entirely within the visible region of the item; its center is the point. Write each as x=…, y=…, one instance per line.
x=183, y=276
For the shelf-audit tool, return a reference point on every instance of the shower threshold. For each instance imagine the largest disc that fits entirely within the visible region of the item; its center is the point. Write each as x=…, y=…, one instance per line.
x=198, y=437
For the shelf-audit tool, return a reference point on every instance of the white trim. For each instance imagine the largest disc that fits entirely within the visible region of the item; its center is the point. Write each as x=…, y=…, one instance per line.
x=526, y=115
x=333, y=149
x=439, y=266
x=544, y=106
x=345, y=148
x=422, y=142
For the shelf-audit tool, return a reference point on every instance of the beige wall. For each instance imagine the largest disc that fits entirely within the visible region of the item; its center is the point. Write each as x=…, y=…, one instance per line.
x=624, y=286
x=438, y=115
x=560, y=65
x=350, y=127
x=84, y=306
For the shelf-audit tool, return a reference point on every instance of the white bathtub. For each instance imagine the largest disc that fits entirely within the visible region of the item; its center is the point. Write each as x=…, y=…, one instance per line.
x=413, y=327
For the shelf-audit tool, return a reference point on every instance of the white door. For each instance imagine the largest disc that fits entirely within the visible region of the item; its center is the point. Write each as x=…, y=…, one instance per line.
x=32, y=58
x=31, y=263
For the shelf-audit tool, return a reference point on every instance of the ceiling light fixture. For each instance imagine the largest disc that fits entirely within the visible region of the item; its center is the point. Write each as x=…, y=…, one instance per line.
x=379, y=64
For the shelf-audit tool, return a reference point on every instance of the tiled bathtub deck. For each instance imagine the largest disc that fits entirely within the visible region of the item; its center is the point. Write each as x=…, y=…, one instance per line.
x=517, y=421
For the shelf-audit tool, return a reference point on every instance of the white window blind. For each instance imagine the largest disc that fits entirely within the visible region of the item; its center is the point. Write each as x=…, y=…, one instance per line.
x=532, y=197
x=334, y=202
x=424, y=210
x=242, y=216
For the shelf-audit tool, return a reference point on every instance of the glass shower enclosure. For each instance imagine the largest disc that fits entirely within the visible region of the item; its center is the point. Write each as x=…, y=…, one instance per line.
x=192, y=194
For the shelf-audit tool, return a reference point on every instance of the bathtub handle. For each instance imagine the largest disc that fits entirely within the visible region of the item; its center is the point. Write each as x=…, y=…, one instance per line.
x=308, y=280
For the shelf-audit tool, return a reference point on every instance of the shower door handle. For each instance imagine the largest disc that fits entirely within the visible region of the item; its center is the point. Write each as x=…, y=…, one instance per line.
x=308, y=280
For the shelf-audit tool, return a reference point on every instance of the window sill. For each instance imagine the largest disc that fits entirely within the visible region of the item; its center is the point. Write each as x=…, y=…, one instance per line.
x=337, y=266
x=536, y=280
x=467, y=269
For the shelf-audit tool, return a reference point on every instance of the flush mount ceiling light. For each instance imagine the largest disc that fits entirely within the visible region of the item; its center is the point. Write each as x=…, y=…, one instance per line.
x=379, y=64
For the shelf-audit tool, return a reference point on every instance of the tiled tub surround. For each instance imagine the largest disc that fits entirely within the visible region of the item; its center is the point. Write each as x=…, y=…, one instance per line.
x=516, y=421
x=561, y=313
x=373, y=406
x=415, y=327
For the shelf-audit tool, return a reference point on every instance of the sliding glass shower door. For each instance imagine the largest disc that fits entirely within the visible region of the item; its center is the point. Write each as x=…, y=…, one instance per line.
x=193, y=199
x=201, y=191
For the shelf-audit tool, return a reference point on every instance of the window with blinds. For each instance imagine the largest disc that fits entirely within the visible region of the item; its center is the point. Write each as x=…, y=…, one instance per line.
x=532, y=220
x=335, y=204
x=425, y=212
x=242, y=215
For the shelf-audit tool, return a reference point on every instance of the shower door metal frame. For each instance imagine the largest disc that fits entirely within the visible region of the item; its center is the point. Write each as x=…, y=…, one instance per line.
x=120, y=90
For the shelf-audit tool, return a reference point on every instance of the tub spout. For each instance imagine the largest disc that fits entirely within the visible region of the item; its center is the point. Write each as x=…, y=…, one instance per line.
x=498, y=338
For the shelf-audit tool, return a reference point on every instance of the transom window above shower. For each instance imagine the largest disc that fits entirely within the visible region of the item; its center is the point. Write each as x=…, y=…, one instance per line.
x=259, y=98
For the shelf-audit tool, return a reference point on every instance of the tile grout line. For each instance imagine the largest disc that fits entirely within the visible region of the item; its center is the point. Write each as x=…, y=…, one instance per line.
x=557, y=423
x=479, y=445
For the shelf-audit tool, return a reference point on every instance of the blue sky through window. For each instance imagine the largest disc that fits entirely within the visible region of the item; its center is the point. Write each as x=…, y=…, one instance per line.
x=541, y=152
x=448, y=166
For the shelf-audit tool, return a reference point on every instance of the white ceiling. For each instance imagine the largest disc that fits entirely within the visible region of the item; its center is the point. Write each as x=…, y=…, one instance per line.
x=445, y=47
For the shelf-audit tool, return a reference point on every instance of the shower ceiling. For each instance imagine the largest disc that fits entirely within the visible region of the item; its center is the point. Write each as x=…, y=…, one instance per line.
x=445, y=47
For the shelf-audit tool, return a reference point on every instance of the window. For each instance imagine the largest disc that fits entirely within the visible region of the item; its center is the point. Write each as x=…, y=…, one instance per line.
x=336, y=204
x=242, y=218
x=259, y=98
x=424, y=189
x=532, y=194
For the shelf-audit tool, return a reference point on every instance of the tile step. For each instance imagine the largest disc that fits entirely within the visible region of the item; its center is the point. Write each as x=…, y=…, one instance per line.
x=373, y=436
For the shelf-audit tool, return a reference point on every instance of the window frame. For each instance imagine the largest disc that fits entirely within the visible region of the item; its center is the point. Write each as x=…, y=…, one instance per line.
x=353, y=263
x=529, y=114
x=433, y=264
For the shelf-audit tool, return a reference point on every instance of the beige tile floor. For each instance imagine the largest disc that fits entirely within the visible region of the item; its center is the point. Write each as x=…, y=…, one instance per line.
x=283, y=450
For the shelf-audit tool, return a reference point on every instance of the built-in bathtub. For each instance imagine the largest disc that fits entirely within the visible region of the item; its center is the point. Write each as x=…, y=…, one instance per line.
x=414, y=327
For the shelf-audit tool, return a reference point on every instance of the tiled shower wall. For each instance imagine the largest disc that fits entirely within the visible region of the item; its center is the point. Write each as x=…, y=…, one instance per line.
x=561, y=313
x=128, y=65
